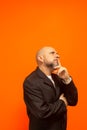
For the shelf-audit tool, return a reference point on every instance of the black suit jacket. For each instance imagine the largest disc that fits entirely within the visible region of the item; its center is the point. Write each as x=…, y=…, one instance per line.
x=44, y=108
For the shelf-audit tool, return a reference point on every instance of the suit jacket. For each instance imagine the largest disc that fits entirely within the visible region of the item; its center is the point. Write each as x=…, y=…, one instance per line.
x=44, y=108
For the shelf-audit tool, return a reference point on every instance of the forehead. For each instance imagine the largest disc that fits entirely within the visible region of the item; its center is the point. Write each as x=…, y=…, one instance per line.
x=46, y=51
x=49, y=50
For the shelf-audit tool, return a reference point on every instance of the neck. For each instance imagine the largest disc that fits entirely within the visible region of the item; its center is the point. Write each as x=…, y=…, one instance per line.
x=45, y=70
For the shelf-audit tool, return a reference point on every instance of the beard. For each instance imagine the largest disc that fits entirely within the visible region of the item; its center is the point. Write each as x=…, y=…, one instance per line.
x=52, y=65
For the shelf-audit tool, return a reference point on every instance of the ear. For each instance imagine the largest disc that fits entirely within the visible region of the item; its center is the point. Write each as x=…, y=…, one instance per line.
x=40, y=58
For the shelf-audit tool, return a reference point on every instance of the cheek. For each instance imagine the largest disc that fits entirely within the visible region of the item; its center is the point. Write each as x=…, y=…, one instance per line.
x=49, y=59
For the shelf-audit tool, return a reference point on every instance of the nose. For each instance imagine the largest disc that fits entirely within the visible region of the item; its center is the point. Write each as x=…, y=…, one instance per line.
x=57, y=55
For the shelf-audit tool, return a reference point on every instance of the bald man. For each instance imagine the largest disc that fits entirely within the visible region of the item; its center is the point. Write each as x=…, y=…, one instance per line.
x=48, y=91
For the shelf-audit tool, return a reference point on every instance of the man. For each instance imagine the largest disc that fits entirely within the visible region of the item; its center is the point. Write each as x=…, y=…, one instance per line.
x=48, y=91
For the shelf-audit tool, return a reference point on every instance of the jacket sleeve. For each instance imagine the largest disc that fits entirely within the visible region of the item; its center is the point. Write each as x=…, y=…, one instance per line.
x=36, y=104
x=70, y=92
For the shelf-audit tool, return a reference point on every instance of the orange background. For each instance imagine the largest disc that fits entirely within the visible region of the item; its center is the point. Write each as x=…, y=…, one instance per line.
x=25, y=27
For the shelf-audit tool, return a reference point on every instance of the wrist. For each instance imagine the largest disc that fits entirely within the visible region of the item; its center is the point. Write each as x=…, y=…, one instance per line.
x=67, y=80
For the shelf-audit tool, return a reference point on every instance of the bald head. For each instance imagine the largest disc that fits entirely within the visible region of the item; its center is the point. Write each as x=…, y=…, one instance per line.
x=43, y=51
x=47, y=59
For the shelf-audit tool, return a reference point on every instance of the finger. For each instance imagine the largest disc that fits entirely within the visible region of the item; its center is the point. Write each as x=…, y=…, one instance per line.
x=61, y=69
x=58, y=66
x=59, y=63
x=62, y=95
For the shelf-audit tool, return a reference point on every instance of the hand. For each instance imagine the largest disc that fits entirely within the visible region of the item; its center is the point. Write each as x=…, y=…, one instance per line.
x=63, y=73
x=64, y=99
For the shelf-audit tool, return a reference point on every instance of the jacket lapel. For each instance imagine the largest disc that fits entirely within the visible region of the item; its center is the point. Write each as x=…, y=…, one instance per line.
x=44, y=77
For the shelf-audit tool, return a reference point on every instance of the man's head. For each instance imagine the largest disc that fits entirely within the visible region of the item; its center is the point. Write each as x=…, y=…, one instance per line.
x=47, y=57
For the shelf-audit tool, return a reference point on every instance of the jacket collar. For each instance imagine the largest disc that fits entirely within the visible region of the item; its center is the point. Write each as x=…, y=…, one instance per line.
x=44, y=77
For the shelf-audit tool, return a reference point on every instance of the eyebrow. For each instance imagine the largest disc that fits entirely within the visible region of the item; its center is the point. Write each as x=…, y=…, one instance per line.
x=52, y=52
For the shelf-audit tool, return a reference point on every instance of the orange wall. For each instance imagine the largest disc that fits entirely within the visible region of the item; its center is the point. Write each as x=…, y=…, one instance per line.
x=24, y=28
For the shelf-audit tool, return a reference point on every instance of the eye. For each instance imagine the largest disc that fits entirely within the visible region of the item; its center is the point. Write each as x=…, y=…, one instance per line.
x=52, y=52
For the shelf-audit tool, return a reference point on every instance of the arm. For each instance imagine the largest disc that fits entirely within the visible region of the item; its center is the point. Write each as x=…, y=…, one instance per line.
x=38, y=106
x=68, y=87
x=70, y=92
